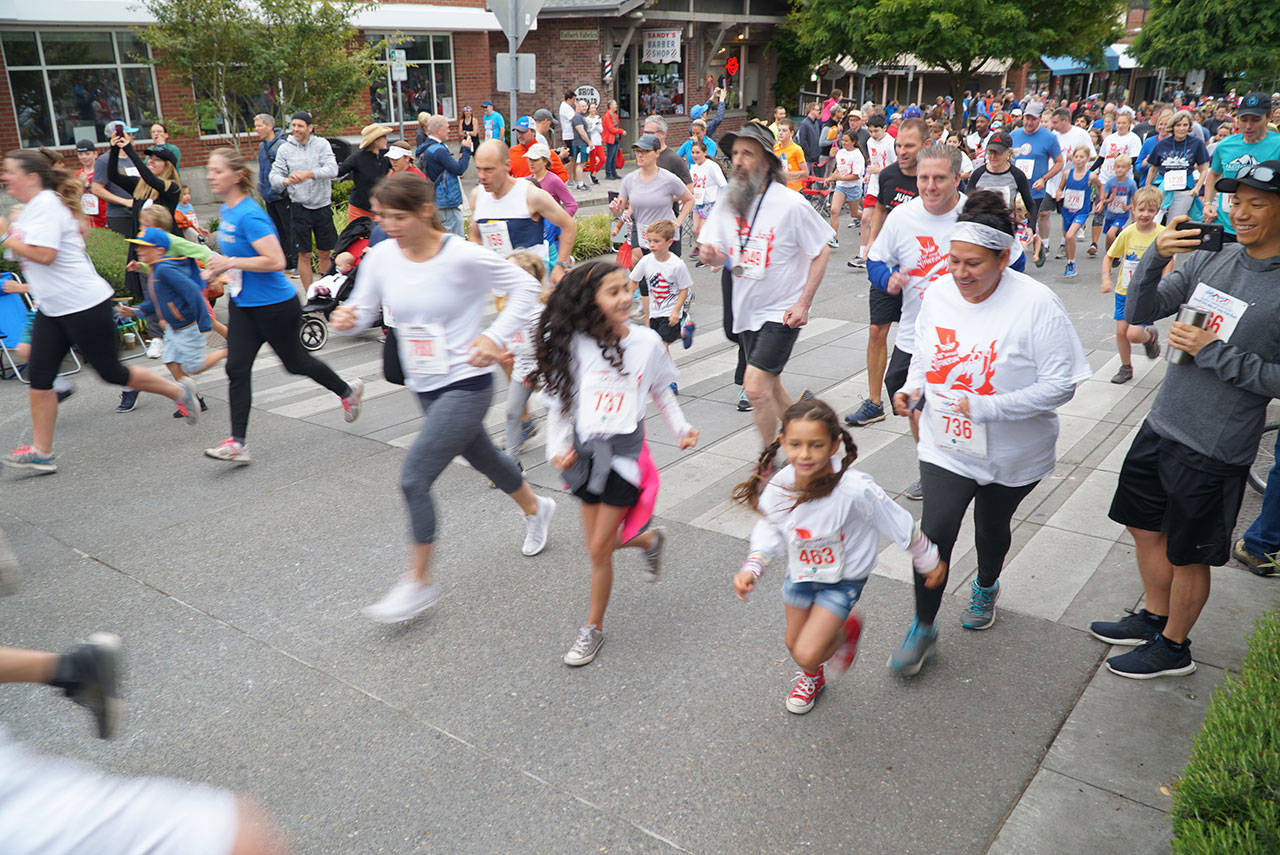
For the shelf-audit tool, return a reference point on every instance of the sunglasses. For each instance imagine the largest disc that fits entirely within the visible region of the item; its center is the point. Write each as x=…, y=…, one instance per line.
x=1258, y=172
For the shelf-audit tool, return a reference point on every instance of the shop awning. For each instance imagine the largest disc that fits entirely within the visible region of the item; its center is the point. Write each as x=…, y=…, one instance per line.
x=1122, y=53
x=1070, y=65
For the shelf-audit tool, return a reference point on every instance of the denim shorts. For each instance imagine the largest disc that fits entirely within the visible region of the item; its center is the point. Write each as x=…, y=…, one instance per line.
x=852, y=190
x=185, y=347
x=837, y=597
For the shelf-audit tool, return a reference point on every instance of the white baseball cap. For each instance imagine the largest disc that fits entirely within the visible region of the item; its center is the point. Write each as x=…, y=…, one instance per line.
x=537, y=151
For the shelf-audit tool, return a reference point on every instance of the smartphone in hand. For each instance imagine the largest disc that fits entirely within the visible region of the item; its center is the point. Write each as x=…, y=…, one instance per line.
x=1210, y=234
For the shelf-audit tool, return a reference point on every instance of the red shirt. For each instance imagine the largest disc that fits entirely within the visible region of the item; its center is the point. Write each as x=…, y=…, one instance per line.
x=94, y=208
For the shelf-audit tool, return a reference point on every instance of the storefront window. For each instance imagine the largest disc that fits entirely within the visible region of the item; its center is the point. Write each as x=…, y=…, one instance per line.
x=68, y=85
x=661, y=88
x=430, y=84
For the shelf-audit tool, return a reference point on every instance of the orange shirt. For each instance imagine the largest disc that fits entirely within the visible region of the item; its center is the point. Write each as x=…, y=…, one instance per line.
x=520, y=166
x=792, y=157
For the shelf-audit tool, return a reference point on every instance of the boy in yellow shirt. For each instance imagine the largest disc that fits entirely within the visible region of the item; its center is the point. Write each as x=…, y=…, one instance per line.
x=1128, y=248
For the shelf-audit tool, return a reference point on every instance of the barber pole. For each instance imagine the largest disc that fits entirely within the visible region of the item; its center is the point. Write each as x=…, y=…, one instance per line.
x=606, y=62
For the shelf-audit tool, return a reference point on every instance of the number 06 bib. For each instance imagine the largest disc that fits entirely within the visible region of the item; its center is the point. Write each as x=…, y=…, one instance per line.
x=816, y=559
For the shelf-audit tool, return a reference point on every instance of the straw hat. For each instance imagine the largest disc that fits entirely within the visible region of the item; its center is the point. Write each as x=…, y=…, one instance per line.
x=372, y=132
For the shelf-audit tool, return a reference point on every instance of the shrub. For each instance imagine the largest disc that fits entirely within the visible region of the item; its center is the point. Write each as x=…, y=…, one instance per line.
x=109, y=254
x=1228, y=800
x=341, y=193
x=592, y=239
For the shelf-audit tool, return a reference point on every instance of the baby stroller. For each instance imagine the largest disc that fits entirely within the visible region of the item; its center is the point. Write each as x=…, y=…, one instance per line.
x=333, y=287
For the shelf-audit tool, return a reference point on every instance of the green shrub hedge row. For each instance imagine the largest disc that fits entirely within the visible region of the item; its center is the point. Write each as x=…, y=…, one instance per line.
x=1228, y=800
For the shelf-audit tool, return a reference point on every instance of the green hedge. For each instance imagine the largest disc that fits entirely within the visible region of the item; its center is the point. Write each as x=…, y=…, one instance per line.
x=109, y=254
x=1228, y=800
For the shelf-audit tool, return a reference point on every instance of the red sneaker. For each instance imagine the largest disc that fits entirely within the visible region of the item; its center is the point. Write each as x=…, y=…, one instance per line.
x=848, y=649
x=805, y=692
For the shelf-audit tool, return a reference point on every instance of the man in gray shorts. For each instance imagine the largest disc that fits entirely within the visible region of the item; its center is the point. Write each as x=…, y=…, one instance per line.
x=775, y=246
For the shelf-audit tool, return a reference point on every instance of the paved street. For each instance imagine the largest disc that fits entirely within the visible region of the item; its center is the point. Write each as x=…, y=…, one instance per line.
x=237, y=592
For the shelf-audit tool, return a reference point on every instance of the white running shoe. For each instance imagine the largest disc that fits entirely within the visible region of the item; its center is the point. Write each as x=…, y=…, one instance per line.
x=351, y=403
x=653, y=555
x=155, y=348
x=407, y=599
x=230, y=451
x=189, y=406
x=585, y=647
x=537, y=526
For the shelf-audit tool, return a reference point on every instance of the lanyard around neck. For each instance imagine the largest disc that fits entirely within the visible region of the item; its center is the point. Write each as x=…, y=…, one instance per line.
x=743, y=241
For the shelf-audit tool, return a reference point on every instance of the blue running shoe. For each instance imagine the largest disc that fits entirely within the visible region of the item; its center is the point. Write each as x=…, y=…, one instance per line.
x=911, y=654
x=868, y=412
x=982, y=606
x=686, y=332
x=1071, y=269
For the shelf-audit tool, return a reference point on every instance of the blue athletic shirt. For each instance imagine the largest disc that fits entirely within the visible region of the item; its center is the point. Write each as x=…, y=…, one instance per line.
x=238, y=228
x=1070, y=184
x=1232, y=155
x=1041, y=147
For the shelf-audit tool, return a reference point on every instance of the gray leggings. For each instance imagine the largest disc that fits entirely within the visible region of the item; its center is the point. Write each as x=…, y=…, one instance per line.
x=517, y=397
x=452, y=425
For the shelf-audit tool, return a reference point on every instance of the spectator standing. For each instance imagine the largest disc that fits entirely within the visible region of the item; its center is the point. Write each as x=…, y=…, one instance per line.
x=612, y=134
x=160, y=138
x=809, y=136
x=467, y=127
x=94, y=208
x=595, y=130
x=305, y=164
x=581, y=143
x=270, y=139
x=568, y=108
x=443, y=170
x=495, y=127
x=365, y=166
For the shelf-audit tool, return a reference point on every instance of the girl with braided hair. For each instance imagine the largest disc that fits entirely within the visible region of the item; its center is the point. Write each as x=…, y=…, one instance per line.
x=827, y=518
x=597, y=370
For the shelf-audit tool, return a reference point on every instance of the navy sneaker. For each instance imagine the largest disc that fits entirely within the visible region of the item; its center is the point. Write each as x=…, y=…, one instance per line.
x=1138, y=628
x=128, y=400
x=868, y=412
x=1157, y=658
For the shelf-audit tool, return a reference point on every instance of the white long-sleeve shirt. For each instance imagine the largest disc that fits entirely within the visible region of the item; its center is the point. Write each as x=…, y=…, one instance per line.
x=849, y=522
x=447, y=295
x=647, y=373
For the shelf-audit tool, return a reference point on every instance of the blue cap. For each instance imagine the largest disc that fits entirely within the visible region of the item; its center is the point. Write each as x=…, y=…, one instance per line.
x=696, y=112
x=912, y=112
x=524, y=123
x=151, y=237
x=486, y=103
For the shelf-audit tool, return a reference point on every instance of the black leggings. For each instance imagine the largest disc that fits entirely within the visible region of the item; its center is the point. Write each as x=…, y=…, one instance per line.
x=726, y=297
x=92, y=331
x=946, y=498
x=277, y=325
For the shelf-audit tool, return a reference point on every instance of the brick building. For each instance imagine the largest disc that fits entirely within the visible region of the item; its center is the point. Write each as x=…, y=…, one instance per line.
x=71, y=67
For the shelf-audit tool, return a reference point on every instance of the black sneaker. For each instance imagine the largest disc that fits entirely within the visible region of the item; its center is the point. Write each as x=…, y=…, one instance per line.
x=1124, y=375
x=1139, y=627
x=1156, y=658
x=744, y=403
x=128, y=400
x=89, y=674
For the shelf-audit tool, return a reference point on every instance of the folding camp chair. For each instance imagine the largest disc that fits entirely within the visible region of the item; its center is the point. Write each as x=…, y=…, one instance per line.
x=15, y=309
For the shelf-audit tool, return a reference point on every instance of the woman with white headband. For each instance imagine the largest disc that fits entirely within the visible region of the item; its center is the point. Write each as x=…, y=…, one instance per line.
x=995, y=356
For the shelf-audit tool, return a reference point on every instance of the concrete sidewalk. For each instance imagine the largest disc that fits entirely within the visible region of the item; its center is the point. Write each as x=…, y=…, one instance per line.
x=237, y=591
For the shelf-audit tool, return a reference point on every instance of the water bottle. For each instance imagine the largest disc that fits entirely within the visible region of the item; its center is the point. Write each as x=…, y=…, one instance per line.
x=1186, y=315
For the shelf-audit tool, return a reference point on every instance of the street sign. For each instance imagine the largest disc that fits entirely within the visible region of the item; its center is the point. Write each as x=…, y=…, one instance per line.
x=516, y=17
x=526, y=73
x=590, y=94
x=399, y=67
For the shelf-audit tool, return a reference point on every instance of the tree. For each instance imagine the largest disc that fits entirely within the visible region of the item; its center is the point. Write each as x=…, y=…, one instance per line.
x=273, y=56
x=1183, y=35
x=957, y=36
x=315, y=57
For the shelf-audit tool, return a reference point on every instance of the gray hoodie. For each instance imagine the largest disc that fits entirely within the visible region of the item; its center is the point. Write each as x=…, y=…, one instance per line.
x=317, y=156
x=1218, y=404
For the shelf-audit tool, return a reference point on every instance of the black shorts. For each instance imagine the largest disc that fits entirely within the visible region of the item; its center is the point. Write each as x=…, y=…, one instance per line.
x=313, y=221
x=886, y=308
x=666, y=331
x=769, y=347
x=1033, y=216
x=1165, y=486
x=92, y=331
x=895, y=376
x=1048, y=204
x=618, y=493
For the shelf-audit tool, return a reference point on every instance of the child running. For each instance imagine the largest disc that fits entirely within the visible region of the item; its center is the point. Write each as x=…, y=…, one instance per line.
x=524, y=362
x=1117, y=201
x=156, y=216
x=829, y=524
x=850, y=167
x=1076, y=194
x=174, y=294
x=708, y=181
x=1128, y=248
x=597, y=370
x=664, y=284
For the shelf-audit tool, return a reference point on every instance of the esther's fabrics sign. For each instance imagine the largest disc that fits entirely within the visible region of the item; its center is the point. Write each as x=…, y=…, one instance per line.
x=661, y=46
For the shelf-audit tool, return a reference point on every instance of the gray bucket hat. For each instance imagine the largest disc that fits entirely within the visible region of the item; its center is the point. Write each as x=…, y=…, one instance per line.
x=752, y=130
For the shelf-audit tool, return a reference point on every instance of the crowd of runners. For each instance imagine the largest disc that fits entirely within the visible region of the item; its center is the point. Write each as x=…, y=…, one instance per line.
x=955, y=210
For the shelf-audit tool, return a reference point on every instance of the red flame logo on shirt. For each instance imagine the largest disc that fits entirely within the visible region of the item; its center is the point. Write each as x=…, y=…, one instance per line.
x=965, y=372
x=932, y=263
x=803, y=533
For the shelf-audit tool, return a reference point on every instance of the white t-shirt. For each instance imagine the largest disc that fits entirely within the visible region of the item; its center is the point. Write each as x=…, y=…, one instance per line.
x=1114, y=146
x=595, y=130
x=774, y=252
x=664, y=280
x=881, y=153
x=856, y=514
x=566, y=114
x=1068, y=142
x=70, y=284
x=440, y=304
x=850, y=161
x=1015, y=356
x=708, y=181
x=918, y=244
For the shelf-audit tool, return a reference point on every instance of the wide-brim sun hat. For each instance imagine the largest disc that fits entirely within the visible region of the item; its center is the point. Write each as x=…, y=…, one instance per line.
x=370, y=133
x=752, y=130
